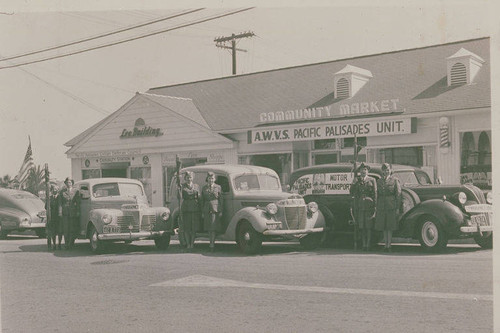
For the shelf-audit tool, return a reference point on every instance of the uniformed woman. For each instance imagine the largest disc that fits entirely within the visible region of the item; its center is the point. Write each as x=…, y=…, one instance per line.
x=364, y=196
x=388, y=201
x=211, y=201
x=190, y=207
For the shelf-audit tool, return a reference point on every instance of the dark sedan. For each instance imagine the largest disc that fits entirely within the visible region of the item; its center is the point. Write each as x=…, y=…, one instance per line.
x=431, y=213
x=20, y=211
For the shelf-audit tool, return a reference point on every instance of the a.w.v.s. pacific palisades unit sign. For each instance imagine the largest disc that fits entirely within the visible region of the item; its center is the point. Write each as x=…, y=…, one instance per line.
x=140, y=130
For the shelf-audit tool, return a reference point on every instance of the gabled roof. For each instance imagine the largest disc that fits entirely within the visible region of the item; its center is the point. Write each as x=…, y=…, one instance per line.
x=417, y=77
x=465, y=53
x=353, y=69
x=184, y=107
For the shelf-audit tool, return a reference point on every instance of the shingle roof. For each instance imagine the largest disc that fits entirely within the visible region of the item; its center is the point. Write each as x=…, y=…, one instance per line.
x=416, y=77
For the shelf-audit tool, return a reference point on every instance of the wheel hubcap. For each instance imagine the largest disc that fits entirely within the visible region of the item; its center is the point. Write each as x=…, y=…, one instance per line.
x=429, y=233
x=246, y=236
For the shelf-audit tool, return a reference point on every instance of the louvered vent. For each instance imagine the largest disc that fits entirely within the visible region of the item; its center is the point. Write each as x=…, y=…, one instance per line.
x=342, y=88
x=458, y=74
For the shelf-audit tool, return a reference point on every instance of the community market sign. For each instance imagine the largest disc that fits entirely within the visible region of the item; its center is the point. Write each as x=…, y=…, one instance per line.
x=329, y=111
x=331, y=130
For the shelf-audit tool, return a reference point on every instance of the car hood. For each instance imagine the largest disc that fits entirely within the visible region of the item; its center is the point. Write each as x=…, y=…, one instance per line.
x=28, y=206
x=113, y=202
x=426, y=192
x=270, y=196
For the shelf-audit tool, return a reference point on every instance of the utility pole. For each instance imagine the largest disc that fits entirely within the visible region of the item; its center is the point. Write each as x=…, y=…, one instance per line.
x=221, y=42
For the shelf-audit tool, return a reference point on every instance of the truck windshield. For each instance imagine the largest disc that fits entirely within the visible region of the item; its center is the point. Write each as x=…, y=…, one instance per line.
x=116, y=189
x=250, y=182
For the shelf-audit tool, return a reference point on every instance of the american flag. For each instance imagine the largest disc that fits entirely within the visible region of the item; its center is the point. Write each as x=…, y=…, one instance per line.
x=27, y=165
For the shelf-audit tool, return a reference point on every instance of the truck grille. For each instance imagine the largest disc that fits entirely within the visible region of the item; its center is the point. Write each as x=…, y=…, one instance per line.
x=295, y=217
x=148, y=222
x=125, y=221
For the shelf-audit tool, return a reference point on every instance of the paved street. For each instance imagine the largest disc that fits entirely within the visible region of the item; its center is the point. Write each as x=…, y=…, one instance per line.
x=135, y=288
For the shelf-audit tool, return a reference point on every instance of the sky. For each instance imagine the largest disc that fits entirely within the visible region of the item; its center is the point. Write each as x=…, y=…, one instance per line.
x=53, y=101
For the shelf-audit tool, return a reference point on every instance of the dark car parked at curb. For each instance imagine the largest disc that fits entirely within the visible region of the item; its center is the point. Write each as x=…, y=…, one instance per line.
x=431, y=213
x=21, y=211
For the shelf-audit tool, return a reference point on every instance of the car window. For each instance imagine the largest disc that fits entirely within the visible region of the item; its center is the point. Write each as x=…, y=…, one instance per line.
x=24, y=195
x=323, y=183
x=250, y=182
x=412, y=178
x=223, y=182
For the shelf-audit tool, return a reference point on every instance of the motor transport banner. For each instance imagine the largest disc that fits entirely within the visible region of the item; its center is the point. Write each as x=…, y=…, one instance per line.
x=324, y=183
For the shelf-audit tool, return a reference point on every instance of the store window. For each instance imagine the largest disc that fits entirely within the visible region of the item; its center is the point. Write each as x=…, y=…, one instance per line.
x=143, y=174
x=475, y=159
x=405, y=155
x=91, y=173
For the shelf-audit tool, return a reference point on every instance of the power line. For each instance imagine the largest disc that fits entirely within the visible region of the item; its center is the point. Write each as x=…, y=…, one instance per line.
x=102, y=35
x=130, y=39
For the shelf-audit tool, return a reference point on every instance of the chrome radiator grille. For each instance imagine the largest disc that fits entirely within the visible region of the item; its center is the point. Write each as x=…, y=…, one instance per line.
x=128, y=220
x=148, y=222
x=295, y=217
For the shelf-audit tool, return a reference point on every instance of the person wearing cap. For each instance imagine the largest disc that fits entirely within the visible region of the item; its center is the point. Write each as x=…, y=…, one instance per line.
x=190, y=208
x=364, y=196
x=388, y=201
x=54, y=227
x=211, y=203
x=68, y=211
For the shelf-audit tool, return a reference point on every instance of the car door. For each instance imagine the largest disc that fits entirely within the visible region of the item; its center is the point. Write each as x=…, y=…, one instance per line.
x=84, y=207
x=227, y=208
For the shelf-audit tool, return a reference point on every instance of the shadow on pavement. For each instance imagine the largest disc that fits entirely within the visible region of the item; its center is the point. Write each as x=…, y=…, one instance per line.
x=230, y=249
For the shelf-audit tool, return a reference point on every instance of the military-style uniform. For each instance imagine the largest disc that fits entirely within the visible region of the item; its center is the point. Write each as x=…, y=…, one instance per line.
x=190, y=207
x=69, y=213
x=364, y=196
x=53, y=227
x=388, y=200
x=211, y=203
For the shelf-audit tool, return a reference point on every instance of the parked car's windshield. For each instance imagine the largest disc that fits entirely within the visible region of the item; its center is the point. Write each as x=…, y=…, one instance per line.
x=115, y=189
x=24, y=195
x=411, y=178
x=250, y=182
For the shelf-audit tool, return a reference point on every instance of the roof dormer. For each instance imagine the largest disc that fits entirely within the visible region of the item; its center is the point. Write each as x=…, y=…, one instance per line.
x=462, y=67
x=349, y=80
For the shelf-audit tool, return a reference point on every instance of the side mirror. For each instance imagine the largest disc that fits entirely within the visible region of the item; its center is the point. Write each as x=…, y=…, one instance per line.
x=84, y=194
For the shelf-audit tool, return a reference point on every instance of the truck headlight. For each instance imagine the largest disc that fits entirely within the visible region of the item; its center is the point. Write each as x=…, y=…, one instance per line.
x=165, y=215
x=106, y=219
x=462, y=198
x=271, y=208
x=312, y=207
x=489, y=198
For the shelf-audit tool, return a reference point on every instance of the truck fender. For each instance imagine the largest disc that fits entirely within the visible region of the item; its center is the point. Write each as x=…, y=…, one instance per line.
x=256, y=217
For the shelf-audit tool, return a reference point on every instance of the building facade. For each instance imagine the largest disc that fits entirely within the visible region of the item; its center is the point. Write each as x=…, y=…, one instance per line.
x=428, y=107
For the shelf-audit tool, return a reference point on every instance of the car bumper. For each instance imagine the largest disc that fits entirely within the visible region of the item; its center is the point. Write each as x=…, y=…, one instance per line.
x=31, y=225
x=291, y=232
x=131, y=235
x=476, y=229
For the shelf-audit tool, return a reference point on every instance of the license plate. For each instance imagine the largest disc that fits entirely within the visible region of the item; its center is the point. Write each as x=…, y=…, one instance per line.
x=110, y=229
x=479, y=219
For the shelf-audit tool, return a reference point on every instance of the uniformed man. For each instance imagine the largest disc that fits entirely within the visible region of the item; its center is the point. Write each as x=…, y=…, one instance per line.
x=364, y=196
x=68, y=212
x=52, y=227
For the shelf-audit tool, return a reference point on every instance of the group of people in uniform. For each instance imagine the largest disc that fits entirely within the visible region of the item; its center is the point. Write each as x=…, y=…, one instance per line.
x=376, y=204
x=200, y=210
x=64, y=213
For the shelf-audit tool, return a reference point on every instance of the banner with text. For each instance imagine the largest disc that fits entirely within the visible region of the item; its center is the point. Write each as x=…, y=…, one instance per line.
x=323, y=183
x=311, y=131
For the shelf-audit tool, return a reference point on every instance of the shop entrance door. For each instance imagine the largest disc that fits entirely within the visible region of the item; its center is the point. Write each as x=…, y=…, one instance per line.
x=115, y=173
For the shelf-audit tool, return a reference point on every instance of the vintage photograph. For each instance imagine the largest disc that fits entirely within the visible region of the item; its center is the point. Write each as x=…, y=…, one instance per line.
x=247, y=166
